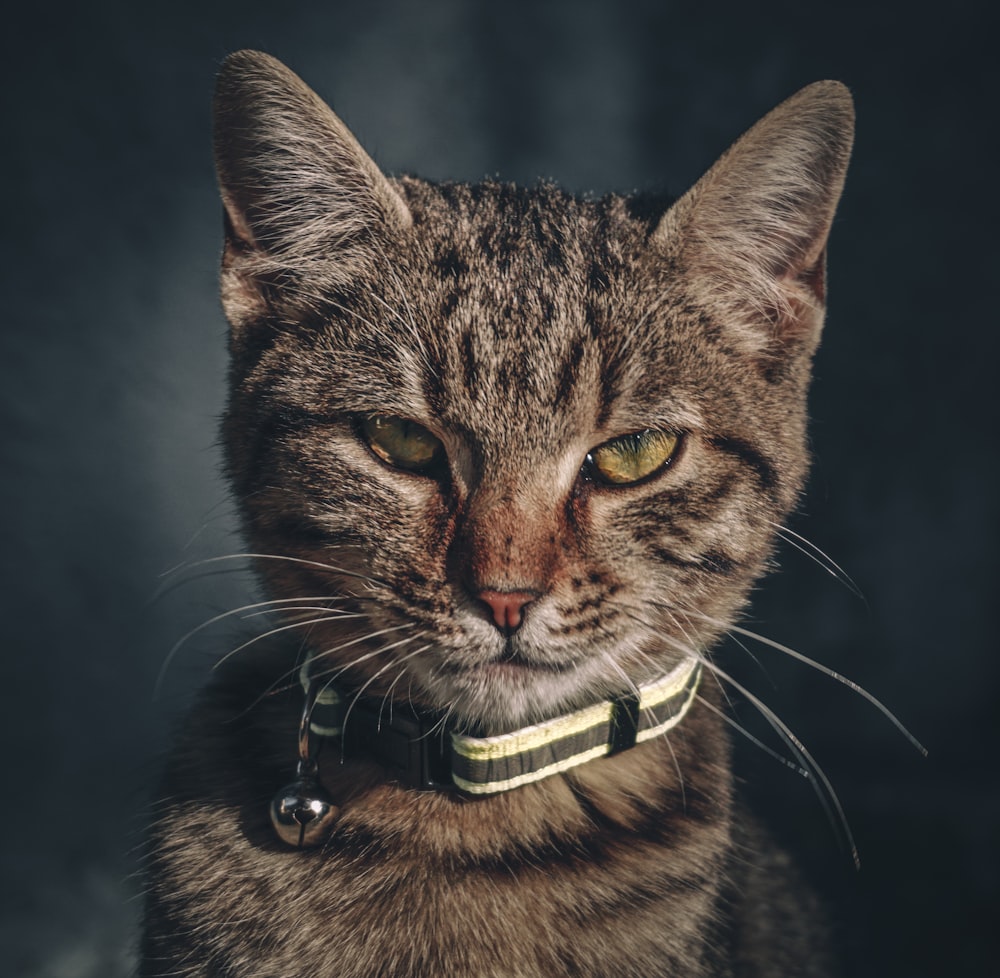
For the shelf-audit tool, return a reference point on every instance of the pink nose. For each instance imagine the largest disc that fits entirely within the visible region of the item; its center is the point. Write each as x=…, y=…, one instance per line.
x=506, y=606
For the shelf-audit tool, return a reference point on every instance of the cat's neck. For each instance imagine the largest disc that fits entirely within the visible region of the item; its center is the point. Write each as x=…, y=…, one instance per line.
x=667, y=790
x=432, y=750
x=665, y=786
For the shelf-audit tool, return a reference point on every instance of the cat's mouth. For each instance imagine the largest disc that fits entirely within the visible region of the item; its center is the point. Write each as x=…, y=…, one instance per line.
x=514, y=657
x=512, y=660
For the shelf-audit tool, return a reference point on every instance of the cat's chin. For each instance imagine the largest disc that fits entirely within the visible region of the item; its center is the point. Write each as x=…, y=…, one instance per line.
x=510, y=691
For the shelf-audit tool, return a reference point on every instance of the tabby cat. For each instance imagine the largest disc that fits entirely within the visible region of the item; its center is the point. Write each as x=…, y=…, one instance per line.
x=509, y=462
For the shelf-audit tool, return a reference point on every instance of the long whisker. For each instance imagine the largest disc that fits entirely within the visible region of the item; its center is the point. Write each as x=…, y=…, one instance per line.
x=814, y=553
x=176, y=647
x=819, y=667
x=301, y=624
x=387, y=696
x=410, y=321
x=304, y=608
x=821, y=783
x=371, y=679
x=177, y=582
x=319, y=565
x=693, y=645
x=753, y=658
x=756, y=741
x=808, y=767
x=689, y=649
x=441, y=725
x=289, y=678
x=219, y=510
x=332, y=675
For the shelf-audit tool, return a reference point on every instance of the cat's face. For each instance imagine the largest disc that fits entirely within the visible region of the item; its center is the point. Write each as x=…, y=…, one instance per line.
x=537, y=447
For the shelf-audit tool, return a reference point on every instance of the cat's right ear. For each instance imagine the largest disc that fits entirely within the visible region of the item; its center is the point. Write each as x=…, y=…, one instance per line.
x=305, y=206
x=751, y=234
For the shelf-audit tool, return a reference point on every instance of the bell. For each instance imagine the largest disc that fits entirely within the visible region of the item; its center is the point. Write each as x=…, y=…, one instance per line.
x=302, y=814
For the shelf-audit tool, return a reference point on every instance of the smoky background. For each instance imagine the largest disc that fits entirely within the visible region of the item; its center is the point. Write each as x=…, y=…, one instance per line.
x=113, y=360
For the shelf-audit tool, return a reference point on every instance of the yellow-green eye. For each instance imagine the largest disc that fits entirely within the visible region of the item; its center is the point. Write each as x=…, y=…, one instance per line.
x=623, y=461
x=402, y=443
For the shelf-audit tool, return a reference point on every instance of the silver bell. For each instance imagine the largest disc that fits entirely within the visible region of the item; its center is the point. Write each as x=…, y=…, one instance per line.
x=302, y=814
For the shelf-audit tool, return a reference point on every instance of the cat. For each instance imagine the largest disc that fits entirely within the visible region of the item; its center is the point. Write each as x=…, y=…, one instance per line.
x=509, y=461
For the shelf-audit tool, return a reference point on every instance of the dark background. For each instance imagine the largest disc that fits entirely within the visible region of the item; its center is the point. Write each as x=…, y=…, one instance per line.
x=112, y=351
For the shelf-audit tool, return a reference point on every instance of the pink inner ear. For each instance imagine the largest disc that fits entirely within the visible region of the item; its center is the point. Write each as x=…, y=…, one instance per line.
x=506, y=606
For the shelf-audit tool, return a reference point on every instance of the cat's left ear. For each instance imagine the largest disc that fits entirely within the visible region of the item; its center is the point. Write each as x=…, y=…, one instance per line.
x=750, y=236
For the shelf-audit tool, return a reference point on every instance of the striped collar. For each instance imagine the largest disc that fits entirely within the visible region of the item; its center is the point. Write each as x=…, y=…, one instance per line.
x=418, y=749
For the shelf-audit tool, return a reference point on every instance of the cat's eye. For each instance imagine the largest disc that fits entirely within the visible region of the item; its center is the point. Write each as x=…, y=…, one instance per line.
x=632, y=458
x=402, y=443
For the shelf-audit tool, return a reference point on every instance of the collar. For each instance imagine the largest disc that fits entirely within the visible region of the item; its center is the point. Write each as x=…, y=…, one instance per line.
x=419, y=750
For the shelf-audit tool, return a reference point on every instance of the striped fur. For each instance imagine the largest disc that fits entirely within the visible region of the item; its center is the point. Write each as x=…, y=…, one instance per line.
x=522, y=327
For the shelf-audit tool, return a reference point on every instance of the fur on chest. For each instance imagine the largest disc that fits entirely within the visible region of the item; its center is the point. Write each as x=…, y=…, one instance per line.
x=613, y=869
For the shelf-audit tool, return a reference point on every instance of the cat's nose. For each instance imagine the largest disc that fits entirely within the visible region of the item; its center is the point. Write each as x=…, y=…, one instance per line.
x=506, y=606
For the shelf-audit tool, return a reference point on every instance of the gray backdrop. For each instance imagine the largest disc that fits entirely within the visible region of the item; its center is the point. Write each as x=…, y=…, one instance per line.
x=113, y=366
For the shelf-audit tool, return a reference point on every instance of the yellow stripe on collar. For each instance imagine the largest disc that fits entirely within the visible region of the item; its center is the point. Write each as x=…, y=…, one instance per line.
x=487, y=765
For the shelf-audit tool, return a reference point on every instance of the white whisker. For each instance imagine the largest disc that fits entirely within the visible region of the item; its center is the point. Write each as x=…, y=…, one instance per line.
x=387, y=695
x=821, y=783
x=332, y=675
x=318, y=565
x=814, y=553
x=290, y=679
x=338, y=615
x=819, y=667
x=221, y=617
x=371, y=679
x=301, y=624
x=756, y=741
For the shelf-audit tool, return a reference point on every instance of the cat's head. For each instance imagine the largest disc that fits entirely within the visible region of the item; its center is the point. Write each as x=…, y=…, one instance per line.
x=537, y=445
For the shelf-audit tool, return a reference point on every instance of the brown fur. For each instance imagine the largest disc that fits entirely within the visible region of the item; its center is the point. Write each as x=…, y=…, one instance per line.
x=522, y=328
